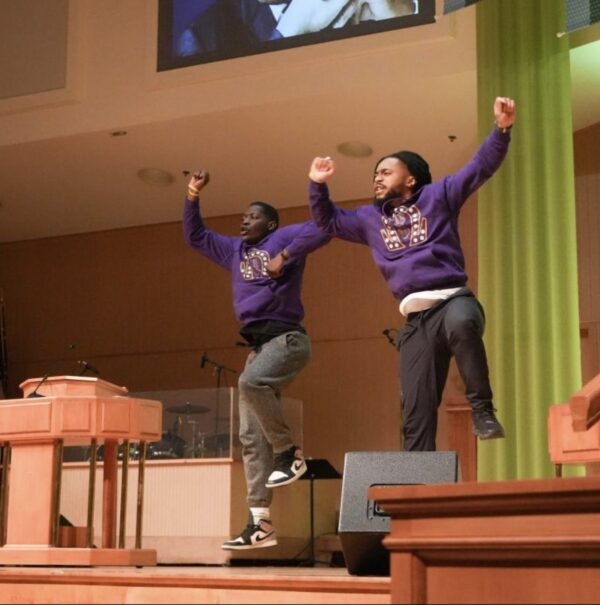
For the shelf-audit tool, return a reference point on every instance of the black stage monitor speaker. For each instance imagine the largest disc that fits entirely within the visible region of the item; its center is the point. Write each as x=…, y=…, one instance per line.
x=362, y=524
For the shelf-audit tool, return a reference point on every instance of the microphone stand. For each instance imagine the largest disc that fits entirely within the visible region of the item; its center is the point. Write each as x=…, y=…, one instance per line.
x=391, y=339
x=86, y=367
x=34, y=393
x=219, y=368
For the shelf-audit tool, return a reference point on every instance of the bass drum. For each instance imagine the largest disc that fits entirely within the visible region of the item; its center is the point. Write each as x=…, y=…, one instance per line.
x=170, y=447
x=134, y=452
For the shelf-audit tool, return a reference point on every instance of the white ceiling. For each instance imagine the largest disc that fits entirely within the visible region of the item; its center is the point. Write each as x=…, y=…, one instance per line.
x=88, y=182
x=255, y=123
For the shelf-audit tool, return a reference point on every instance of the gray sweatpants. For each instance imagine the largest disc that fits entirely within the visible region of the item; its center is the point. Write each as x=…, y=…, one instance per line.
x=263, y=430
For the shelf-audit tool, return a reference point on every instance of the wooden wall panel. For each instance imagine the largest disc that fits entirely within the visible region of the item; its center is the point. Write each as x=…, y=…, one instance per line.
x=142, y=307
x=587, y=188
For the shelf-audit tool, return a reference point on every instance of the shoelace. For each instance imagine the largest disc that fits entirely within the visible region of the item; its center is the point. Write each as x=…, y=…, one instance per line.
x=250, y=529
x=284, y=459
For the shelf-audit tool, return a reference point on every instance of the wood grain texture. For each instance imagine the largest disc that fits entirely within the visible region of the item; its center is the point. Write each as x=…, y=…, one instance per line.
x=193, y=585
x=143, y=307
x=535, y=541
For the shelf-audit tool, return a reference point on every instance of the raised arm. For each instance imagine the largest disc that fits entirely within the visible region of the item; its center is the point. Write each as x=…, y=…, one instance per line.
x=216, y=247
x=337, y=222
x=298, y=241
x=460, y=185
x=304, y=239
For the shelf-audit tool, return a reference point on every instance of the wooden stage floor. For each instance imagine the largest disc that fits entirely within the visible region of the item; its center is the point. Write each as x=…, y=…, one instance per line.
x=187, y=584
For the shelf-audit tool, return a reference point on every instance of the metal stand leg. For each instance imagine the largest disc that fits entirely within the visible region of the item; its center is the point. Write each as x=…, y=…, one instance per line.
x=311, y=561
x=558, y=470
x=5, y=452
x=140, y=495
x=124, y=481
x=109, y=494
x=58, y=460
x=91, y=493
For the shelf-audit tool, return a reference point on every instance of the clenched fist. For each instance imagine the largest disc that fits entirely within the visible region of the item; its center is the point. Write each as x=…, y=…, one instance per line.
x=321, y=169
x=505, y=111
x=200, y=179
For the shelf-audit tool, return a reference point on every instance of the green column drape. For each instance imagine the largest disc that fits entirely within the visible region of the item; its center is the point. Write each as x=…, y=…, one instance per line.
x=527, y=232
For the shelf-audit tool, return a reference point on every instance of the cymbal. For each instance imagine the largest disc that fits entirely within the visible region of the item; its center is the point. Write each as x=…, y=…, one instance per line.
x=188, y=408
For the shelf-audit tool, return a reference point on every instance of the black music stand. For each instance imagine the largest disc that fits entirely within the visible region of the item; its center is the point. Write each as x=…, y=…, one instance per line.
x=318, y=468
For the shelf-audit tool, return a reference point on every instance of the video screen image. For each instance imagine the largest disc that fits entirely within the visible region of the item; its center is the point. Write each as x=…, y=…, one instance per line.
x=201, y=31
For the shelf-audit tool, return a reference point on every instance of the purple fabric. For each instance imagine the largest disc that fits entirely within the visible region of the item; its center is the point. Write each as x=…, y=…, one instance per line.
x=416, y=246
x=185, y=11
x=255, y=295
x=226, y=25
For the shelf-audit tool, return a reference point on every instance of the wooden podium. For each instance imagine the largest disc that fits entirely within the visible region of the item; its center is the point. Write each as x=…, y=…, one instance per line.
x=534, y=541
x=574, y=428
x=69, y=410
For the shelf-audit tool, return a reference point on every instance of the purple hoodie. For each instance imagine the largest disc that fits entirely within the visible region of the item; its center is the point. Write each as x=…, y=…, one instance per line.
x=255, y=295
x=415, y=246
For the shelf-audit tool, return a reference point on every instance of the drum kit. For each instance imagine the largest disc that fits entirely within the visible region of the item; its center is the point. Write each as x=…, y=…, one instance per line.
x=183, y=440
x=200, y=445
x=173, y=445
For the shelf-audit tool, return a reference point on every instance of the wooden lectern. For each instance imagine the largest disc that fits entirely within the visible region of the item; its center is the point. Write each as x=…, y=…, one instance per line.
x=532, y=541
x=574, y=428
x=69, y=410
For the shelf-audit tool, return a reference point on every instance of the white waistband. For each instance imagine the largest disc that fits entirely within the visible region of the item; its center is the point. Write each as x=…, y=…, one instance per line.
x=420, y=301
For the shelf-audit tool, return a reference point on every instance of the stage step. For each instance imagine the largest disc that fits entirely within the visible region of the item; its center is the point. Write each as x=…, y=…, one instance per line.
x=180, y=584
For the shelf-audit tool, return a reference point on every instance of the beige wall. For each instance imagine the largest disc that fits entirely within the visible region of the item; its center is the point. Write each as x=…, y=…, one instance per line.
x=268, y=115
x=587, y=172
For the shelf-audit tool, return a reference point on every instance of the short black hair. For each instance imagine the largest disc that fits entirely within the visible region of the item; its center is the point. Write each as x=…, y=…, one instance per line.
x=416, y=165
x=268, y=210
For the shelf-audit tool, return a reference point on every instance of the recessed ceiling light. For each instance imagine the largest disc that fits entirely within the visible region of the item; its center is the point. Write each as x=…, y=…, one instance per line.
x=118, y=133
x=355, y=149
x=155, y=176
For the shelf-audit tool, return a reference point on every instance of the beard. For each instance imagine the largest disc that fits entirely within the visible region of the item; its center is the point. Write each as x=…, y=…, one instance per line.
x=392, y=194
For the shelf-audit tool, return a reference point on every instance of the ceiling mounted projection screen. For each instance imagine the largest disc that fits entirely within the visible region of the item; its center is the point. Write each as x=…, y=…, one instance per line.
x=191, y=32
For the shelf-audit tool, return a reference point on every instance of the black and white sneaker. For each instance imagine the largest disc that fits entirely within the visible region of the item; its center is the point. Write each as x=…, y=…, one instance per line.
x=486, y=425
x=258, y=535
x=289, y=466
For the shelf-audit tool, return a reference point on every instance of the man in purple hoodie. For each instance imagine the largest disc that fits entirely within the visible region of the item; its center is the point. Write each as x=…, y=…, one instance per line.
x=267, y=264
x=412, y=230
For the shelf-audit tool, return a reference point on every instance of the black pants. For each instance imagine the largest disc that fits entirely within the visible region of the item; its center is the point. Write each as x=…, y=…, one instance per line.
x=427, y=342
